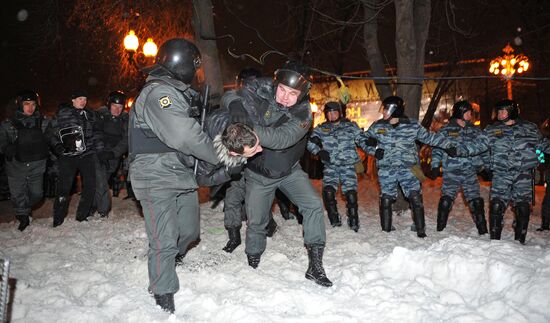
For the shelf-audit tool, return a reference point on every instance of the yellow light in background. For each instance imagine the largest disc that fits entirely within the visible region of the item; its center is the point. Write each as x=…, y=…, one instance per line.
x=131, y=42
x=150, y=48
x=129, y=103
x=314, y=107
x=477, y=123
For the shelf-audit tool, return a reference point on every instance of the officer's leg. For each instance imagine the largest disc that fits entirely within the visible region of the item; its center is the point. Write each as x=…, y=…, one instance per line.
x=67, y=171
x=521, y=195
x=330, y=187
x=300, y=191
x=20, y=200
x=388, y=193
x=348, y=178
x=449, y=189
x=160, y=212
x=412, y=190
x=36, y=189
x=545, y=207
x=232, y=209
x=188, y=218
x=501, y=186
x=102, y=199
x=470, y=187
x=260, y=192
x=284, y=205
x=87, y=175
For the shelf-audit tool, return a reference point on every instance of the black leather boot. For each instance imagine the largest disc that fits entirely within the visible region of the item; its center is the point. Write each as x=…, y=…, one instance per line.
x=417, y=207
x=315, y=270
x=234, y=234
x=60, y=209
x=253, y=260
x=24, y=221
x=351, y=206
x=478, y=214
x=386, y=213
x=329, y=198
x=166, y=302
x=443, y=210
x=496, y=216
x=523, y=211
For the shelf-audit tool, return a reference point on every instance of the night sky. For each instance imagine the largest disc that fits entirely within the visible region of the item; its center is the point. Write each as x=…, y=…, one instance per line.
x=41, y=51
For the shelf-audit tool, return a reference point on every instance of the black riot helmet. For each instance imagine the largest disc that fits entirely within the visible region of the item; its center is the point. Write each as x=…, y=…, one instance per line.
x=394, y=105
x=293, y=74
x=27, y=95
x=117, y=97
x=332, y=106
x=247, y=73
x=180, y=57
x=509, y=105
x=460, y=108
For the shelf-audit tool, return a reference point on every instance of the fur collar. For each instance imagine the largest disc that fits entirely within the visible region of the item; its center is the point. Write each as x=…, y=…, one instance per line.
x=223, y=154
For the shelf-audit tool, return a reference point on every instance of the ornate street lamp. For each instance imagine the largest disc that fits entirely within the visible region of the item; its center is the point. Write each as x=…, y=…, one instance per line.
x=507, y=65
x=131, y=44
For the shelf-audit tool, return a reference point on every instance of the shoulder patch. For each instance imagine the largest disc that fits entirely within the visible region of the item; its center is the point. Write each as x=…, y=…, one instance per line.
x=165, y=102
x=381, y=131
x=454, y=133
x=498, y=133
x=325, y=130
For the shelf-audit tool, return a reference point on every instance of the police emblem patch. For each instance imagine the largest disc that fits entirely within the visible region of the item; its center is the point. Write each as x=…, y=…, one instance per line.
x=165, y=102
x=454, y=133
x=381, y=131
x=498, y=133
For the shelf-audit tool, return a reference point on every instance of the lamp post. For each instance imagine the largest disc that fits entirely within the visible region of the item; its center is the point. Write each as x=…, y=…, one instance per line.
x=507, y=65
x=135, y=57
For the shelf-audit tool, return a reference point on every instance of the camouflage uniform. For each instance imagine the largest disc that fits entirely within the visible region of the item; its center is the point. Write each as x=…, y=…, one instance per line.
x=395, y=167
x=461, y=172
x=512, y=158
x=340, y=140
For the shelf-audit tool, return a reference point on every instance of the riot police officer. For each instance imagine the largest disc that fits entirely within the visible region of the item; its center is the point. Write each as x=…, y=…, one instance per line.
x=270, y=103
x=114, y=123
x=164, y=140
x=512, y=157
x=396, y=156
x=25, y=141
x=545, y=207
x=78, y=134
x=335, y=142
x=460, y=171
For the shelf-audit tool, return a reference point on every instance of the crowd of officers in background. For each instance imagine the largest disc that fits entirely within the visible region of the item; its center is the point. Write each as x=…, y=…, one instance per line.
x=43, y=154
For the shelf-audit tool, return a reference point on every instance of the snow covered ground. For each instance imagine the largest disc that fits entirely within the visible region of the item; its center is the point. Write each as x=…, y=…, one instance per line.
x=96, y=271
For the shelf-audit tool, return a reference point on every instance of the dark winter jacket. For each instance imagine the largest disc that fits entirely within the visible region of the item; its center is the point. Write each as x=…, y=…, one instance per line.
x=68, y=116
x=115, y=131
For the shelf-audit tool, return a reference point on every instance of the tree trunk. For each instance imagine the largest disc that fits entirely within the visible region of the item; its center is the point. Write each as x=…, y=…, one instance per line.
x=412, y=25
x=205, y=36
x=370, y=43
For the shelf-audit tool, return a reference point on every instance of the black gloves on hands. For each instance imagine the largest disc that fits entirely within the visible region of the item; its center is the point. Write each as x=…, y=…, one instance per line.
x=452, y=151
x=10, y=151
x=486, y=174
x=371, y=142
x=379, y=153
x=324, y=155
x=434, y=173
x=239, y=114
x=316, y=141
x=105, y=155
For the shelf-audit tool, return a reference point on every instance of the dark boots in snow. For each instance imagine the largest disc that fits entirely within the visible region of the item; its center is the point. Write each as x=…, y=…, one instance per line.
x=329, y=198
x=386, y=213
x=24, y=221
x=166, y=302
x=478, y=215
x=234, y=239
x=417, y=207
x=496, y=216
x=253, y=260
x=523, y=211
x=351, y=206
x=60, y=209
x=443, y=210
x=315, y=270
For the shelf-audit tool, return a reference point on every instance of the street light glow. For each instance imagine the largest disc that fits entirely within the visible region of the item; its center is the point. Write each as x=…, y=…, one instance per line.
x=509, y=64
x=131, y=42
x=150, y=48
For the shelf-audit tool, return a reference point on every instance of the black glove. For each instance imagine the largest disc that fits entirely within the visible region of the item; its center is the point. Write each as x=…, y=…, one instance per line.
x=10, y=151
x=324, y=155
x=238, y=113
x=451, y=151
x=379, y=153
x=59, y=149
x=486, y=174
x=235, y=172
x=434, y=173
x=105, y=155
x=316, y=141
x=371, y=142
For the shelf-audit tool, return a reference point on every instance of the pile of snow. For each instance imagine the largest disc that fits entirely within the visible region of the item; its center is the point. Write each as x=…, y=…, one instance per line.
x=96, y=272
